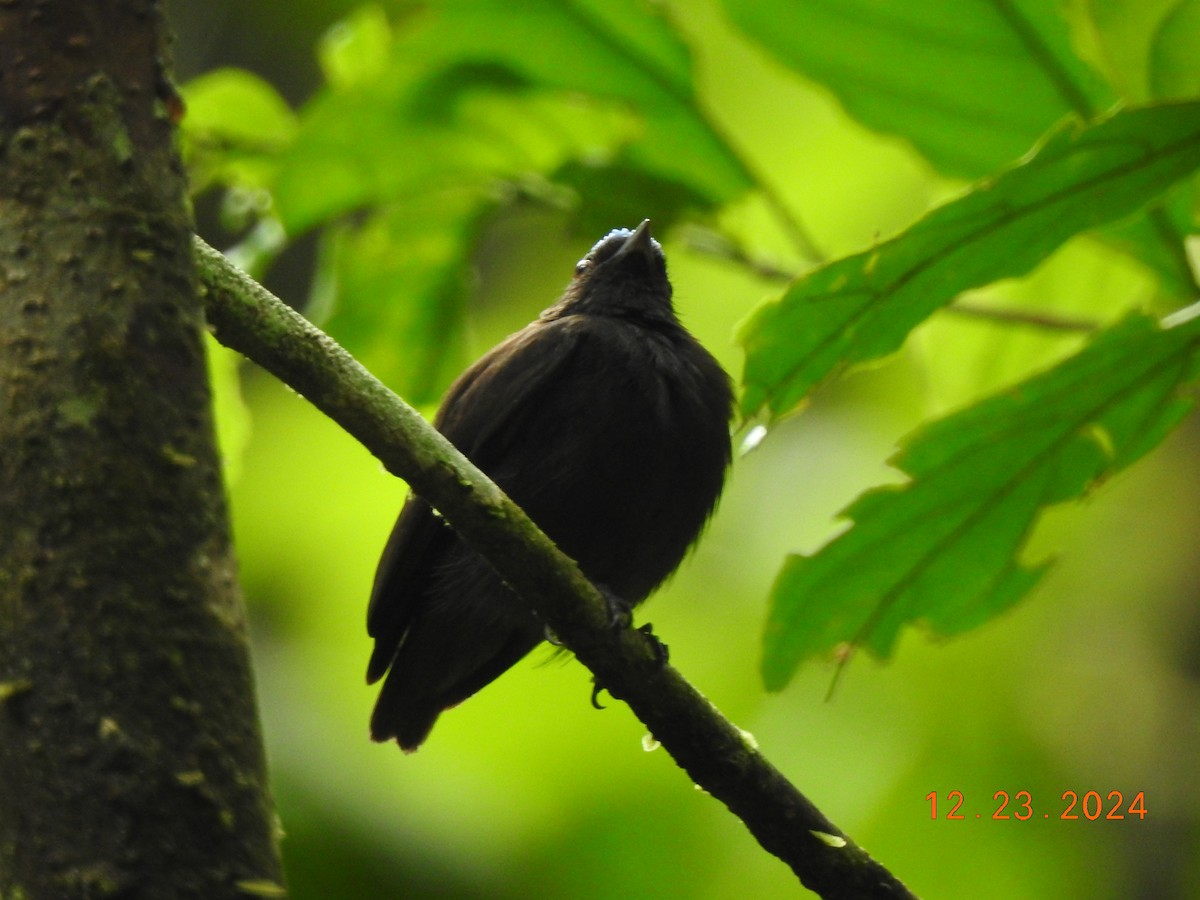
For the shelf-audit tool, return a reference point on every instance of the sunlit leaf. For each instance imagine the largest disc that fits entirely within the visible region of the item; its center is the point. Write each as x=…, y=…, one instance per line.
x=1174, y=63
x=971, y=84
x=237, y=106
x=358, y=49
x=471, y=92
x=1119, y=36
x=944, y=548
x=235, y=126
x=363, y=147
x=623, y=50
x=861, y=308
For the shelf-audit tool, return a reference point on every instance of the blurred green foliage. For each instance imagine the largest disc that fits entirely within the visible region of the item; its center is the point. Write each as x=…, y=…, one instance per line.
x=452, y=161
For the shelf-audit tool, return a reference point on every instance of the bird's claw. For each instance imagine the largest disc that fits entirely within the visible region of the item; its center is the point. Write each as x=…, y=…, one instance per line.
x=597, y=688
x=661, y=650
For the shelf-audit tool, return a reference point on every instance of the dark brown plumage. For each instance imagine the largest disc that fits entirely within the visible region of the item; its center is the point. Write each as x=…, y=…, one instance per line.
x=607, y=422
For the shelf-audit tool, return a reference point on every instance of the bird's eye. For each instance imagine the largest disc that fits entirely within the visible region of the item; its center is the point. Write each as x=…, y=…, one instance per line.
x=582, y=266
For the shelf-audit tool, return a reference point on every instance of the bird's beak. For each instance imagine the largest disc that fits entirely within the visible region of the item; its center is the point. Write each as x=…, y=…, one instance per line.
x=639, y=242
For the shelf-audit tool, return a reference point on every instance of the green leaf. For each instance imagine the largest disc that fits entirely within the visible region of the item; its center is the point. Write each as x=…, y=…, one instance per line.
x=971, y=84
x=619, y=50
x=944, y=548
x=1174, y=63
x=359, y=148
x=237, y=106
x=606, y=196
x=1119, y=35
x=235, y=126
x=463, y=95
x=1146, y=48
x=391, y=290
x=860, y=308
x=1152, y=240
x=358, y=49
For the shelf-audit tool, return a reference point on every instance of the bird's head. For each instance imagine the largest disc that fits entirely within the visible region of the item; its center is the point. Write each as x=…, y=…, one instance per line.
x=624, y=274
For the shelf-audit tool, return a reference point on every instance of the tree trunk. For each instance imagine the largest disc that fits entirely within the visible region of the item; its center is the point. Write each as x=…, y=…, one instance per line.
x=131, y=763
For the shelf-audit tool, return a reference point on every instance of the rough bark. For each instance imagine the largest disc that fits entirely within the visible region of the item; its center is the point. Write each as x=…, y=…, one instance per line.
x=131, y=762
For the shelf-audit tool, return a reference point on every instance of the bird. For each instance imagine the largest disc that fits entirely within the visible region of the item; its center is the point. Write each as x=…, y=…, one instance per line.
x=608, y=423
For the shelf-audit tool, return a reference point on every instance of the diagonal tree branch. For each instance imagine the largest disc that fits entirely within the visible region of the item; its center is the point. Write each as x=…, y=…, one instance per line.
x=717, y=756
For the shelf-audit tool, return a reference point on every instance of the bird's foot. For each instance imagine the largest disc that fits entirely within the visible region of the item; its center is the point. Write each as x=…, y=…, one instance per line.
x=620, y=615
x=661, y=655
x=620, y=611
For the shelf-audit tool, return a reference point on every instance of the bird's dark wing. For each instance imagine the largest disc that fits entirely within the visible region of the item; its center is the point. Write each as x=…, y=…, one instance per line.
x=416, y=538
x=479, y=413
x=488, y=402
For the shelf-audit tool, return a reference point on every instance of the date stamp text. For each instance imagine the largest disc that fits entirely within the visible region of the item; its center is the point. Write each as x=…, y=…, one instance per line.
x=1090, y=806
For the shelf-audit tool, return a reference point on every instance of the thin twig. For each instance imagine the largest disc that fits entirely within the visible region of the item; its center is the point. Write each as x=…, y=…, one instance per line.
x=716, y=755
x=1011, y=316
x=717, y=245
x=713, y=244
